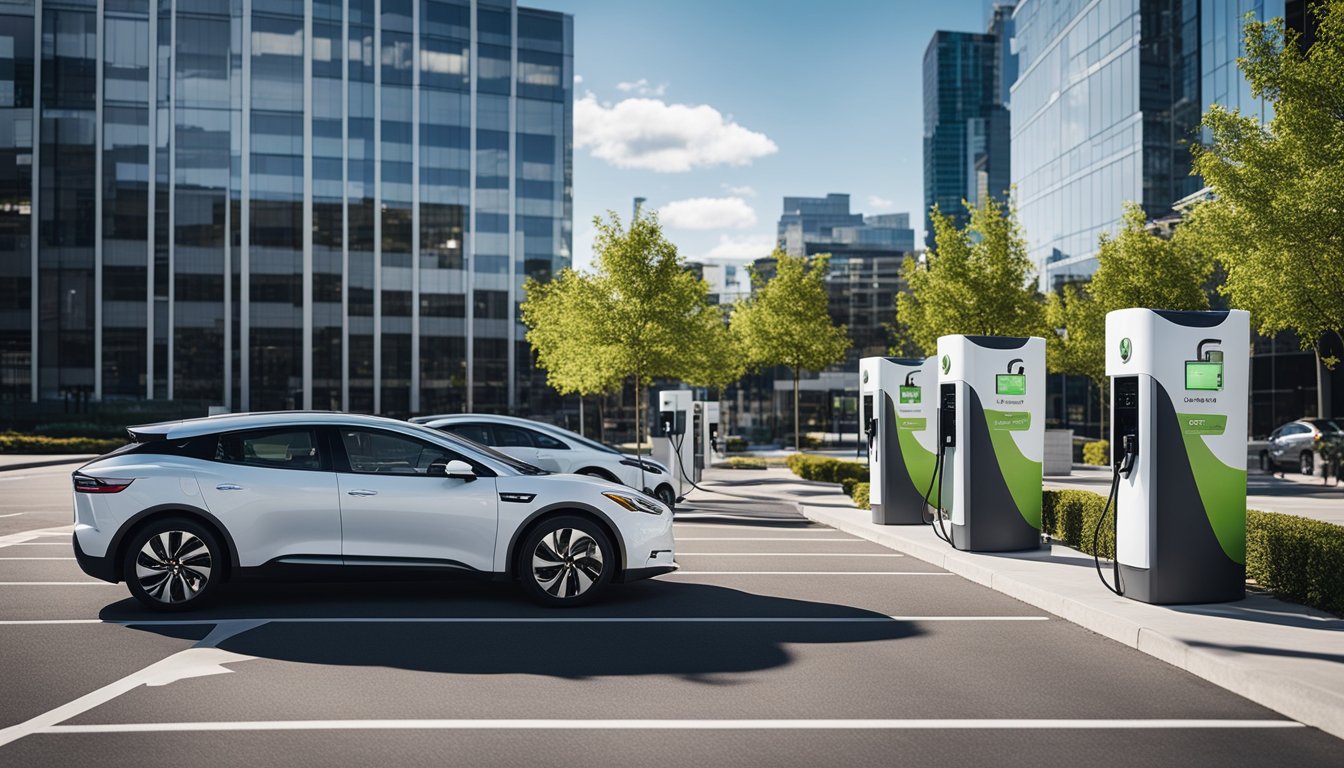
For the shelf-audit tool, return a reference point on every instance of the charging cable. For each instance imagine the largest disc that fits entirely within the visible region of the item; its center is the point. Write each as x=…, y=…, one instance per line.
x=676, y=449
x=937, y=520
x=1122, y=469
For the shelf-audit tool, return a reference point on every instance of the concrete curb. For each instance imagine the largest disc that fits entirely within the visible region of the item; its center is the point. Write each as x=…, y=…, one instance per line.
x=52, y=462
x=1247, y=674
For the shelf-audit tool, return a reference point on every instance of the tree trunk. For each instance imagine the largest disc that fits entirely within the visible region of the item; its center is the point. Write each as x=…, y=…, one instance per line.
x=602, y=418
x=582, y=433
x=797, y=426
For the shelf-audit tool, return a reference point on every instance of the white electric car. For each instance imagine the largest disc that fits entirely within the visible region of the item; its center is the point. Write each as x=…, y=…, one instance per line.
x=559, y=450
x=190, y=504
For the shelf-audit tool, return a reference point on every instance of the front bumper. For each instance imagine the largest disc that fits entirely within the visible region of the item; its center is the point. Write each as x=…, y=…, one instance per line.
x=102, y=568
x=637, y=574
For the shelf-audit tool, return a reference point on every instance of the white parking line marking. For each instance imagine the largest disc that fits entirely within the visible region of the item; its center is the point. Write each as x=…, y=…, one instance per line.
x=808, y=539
x=675, y=725
x=12, y=514
x=37, y=558
x=40, y=544
x=527, y=620
x=732, y=527
x=807, y=573
x=56, y=584
x=783, y=554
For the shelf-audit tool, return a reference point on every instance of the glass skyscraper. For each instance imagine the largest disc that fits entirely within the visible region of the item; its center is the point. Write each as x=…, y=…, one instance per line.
x=266, y=204
x=966, y=123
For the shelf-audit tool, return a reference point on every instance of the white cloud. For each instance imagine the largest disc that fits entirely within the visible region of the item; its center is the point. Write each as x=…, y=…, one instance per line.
x=578, y=79
x=641, y=87
x=708, y=213
x=667, y=138
x=880, y=202
x=742, y=247
x=743, y=191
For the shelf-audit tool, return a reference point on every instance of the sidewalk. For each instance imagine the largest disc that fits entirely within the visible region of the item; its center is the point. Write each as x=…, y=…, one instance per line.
x=1281, y=655
x=15, y=461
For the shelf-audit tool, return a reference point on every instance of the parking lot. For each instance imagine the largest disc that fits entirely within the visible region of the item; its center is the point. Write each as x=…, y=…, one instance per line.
x=780, y=642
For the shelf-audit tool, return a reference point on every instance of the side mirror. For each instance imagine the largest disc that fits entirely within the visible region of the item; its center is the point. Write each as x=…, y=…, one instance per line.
x=459, y=470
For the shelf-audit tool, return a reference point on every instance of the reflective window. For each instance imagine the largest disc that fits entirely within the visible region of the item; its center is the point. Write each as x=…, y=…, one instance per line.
x=385, y=453
x=274, y=449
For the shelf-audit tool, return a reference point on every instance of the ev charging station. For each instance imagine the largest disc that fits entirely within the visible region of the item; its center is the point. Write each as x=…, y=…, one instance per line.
x=707, y=436
x=678, y=418
x=991, y=439
x=897, y=408
x=1178, y=442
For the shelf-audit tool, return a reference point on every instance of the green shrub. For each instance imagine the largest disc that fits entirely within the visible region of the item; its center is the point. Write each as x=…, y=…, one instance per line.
x=847, y=485
x=1071, y=518
x=13, y=442
x=1097, y=453
x=744, y=462
x=825, y=470
x=1297, y=558
x=735, y=444
x=860, y=495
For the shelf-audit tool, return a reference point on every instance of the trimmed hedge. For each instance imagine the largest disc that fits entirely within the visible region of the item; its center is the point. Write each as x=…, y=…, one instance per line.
x=860, y=496
x=13, y=442
x=847, y=485
x=1296, y=558
x=744, y=462
x=1097, y=453
x=825, y=470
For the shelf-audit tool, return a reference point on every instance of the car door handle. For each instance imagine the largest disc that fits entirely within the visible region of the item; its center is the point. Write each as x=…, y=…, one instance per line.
x=361, y=492
x=228, y=487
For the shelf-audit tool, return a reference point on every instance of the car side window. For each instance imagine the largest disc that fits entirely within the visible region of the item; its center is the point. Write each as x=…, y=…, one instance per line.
x=479, y=433
x=545, y=441
x=385, y=453
x=276, y=449
x=511, y=437
x=1275, y=434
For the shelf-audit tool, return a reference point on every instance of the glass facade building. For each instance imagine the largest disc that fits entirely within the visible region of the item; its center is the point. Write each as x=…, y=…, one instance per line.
x=265, y=204
x=966, y=123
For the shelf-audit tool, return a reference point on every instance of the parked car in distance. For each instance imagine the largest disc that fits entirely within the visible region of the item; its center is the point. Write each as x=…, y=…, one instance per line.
x=190, y=504
x=1297, y=444
x=559, y=450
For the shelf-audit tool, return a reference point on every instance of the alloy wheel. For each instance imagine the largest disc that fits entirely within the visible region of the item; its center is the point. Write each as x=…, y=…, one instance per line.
x=566, y=563
x=174, y=566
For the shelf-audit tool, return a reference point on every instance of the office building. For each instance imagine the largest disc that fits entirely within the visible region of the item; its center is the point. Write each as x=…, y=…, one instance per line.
x=967, y=76
x=291, y=204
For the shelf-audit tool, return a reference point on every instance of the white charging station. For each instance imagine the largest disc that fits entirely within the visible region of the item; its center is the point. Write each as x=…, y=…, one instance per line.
x=898, y=410
x=991, y=414
x=676, y=422
x=1179, y=386
x=707, y=435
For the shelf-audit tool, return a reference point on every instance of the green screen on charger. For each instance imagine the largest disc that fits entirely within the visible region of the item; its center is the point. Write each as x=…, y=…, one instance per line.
x=1010, y=384
x=909, y=395
x=1203, y=376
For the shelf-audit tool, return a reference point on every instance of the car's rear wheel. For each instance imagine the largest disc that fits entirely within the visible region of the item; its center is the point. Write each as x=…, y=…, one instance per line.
x=1307, y=463
x=566, y=561
x=173, y=564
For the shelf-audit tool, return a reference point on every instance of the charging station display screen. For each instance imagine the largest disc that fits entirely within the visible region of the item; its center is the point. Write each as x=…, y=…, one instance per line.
x=1203, y=376
x=1010, y=384
x=909, y=395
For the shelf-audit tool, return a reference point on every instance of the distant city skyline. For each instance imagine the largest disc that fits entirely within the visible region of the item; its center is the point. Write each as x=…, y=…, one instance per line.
x=714, y=112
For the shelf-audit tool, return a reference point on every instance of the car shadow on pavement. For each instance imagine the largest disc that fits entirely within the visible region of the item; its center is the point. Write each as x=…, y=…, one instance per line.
x=394, y=626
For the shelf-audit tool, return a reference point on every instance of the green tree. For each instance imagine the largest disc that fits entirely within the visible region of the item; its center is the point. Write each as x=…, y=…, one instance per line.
x=1276, y=221
x=787, y=322
x=641, y=315
x=979, y=280
x=1135, y=268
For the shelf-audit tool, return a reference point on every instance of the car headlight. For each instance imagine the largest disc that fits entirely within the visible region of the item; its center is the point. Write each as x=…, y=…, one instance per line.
x=635, y=503
x=648, y=466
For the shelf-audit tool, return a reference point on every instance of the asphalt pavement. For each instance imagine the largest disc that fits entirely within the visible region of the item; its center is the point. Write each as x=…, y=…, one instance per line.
x=780, y=642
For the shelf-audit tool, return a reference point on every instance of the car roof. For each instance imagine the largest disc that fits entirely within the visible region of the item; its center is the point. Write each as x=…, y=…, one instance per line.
x=230, y=422
x=494, y=418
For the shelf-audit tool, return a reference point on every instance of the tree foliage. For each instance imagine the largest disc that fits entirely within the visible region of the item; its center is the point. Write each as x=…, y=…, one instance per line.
x=641, y=315
x=787, y=321
x=1276, y=223
x=979, y=280
x=1135, y=268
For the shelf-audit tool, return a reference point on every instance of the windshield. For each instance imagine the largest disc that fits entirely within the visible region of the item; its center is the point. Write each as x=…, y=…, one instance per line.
x=502, y=458
x=1326, y=425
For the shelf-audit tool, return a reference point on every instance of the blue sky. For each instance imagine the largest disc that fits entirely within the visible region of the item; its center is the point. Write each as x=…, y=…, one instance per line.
x=720, y=108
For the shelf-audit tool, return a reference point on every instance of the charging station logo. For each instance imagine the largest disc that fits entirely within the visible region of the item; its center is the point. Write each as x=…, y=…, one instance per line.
x=1125, y=350
x=947, y=364
x=865, y=377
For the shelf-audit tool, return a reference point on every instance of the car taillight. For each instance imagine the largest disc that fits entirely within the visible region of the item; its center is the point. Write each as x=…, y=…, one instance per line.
x=87, y=484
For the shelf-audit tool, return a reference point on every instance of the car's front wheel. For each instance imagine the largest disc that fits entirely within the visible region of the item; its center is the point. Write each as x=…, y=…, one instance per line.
x=565, y=561
x=666, y=495
x=173, y=564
